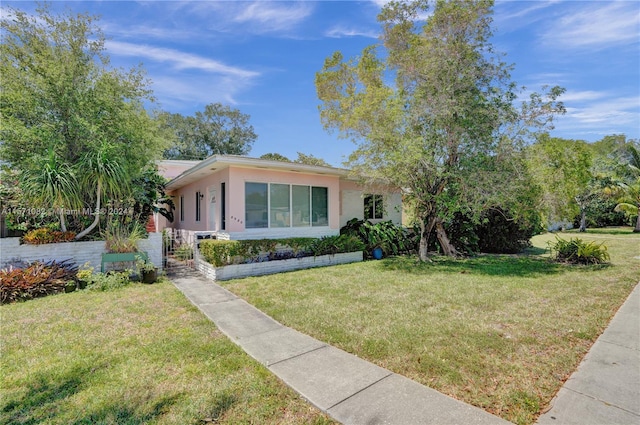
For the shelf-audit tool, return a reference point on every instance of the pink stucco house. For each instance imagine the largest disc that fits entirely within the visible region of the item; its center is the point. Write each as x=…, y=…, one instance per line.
x=237, y=197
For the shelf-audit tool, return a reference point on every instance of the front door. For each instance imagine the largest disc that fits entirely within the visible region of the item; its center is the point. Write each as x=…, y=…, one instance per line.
x=212, y=209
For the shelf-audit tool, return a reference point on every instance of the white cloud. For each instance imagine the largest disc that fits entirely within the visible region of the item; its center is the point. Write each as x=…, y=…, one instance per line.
x=596, y=26
x=580, y=96
x=274, y=16
x=595, y=118
x=178, y=60
x=340, y=32
x=175, y=92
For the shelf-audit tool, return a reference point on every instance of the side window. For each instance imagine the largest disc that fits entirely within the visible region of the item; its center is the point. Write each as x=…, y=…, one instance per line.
x=373, y=207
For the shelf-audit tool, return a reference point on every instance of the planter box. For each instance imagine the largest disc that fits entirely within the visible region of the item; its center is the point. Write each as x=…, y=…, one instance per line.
x=122, y=257
x=236, y=271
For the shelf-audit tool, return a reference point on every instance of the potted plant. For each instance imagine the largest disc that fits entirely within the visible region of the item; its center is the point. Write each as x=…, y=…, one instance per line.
x=121, y=243
x=147, y=270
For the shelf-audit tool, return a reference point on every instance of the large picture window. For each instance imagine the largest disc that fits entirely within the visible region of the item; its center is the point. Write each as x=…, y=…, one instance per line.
x=320, y=206
x=279, y=197
x=373, y=207
x=279, y=205
x=301, y=206
x=256, y=205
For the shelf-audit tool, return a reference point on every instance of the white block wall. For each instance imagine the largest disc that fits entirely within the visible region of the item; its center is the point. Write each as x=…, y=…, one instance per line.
x=236, y=271
x=78, y=252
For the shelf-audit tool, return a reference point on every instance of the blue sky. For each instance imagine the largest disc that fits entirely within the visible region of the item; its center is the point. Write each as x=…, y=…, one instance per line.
x=261, y=58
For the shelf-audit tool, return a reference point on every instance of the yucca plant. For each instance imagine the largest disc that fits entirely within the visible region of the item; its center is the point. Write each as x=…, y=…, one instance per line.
x=577, y=251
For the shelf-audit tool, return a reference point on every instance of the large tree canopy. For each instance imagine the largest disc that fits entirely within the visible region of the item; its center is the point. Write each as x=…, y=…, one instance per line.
x=432, y=112
x=66, y=118
x=562, y=168
x=219, y=129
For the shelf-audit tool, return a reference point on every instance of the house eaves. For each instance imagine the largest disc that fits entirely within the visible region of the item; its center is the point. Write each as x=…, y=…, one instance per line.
x=215, y=163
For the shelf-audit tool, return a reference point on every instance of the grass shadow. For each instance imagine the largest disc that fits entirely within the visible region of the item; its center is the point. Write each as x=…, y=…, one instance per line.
x=47, y=391
x=42, y=395
x=492, y=265
x=129, y=413
x=221, y=404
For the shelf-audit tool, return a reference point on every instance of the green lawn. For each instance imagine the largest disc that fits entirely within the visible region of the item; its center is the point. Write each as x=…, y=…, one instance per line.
x=137, y=355
x=499, y=332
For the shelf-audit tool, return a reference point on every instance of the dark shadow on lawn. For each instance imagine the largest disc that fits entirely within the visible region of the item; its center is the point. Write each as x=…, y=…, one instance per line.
x=44, y=394
x=493, y=265
x=128, y=413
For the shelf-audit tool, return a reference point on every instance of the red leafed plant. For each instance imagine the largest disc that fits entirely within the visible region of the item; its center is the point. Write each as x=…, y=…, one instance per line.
x=38, y=279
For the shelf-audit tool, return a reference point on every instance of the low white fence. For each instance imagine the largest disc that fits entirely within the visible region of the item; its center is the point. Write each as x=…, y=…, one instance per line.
x=11, y=251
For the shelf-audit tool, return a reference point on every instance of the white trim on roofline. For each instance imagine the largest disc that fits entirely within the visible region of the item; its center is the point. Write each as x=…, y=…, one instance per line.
x=218, y=162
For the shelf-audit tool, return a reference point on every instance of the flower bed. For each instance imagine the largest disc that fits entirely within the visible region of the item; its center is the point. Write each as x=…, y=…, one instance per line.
x=236, y=271
x=224, y=260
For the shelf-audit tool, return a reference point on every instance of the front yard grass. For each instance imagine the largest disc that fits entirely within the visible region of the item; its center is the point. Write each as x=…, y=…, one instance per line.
x=137, y=355
x=499, y=332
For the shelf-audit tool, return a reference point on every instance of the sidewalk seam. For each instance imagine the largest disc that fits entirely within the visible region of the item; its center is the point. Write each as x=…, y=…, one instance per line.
x=361, y=390
x=297, y=355
x=602, y=401
x=618, y=345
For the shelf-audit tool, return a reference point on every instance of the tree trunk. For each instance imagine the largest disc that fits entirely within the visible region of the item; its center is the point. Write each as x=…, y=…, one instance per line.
x=96, y=220
x=426, y=227
x=583, y=220
x=637, y=228
x=447, y=248
x=63, y=225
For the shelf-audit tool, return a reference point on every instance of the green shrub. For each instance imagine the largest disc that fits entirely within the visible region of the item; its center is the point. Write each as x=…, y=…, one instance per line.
x=108, y=281
x=218, y=252
x=577, y=251
x=392, y=239
x=38, y=279
x=121, y=238
x=499, y=233
x=297, y=245
x=331, y=245
x=496, y=232
x=47, y=235
x=184, y=252
x=221, y=253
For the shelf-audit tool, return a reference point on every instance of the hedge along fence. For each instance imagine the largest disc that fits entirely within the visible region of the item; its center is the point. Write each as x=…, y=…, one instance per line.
x=222, y=253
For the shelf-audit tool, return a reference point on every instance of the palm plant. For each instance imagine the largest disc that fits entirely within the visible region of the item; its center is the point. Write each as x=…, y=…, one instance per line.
x=103, y=174
x=52, y=184
x=629, y=202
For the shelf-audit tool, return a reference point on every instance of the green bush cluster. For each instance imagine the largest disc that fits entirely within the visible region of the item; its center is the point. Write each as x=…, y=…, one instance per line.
x=393, y=240
x=221, y=253
x=331, y=245
x=108, y=281
x=577, y=251
x=184, y=252
x=495, y=232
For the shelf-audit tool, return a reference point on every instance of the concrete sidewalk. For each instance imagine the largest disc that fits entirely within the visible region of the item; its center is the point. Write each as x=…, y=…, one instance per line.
x=347, y=388
x=605, y=389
